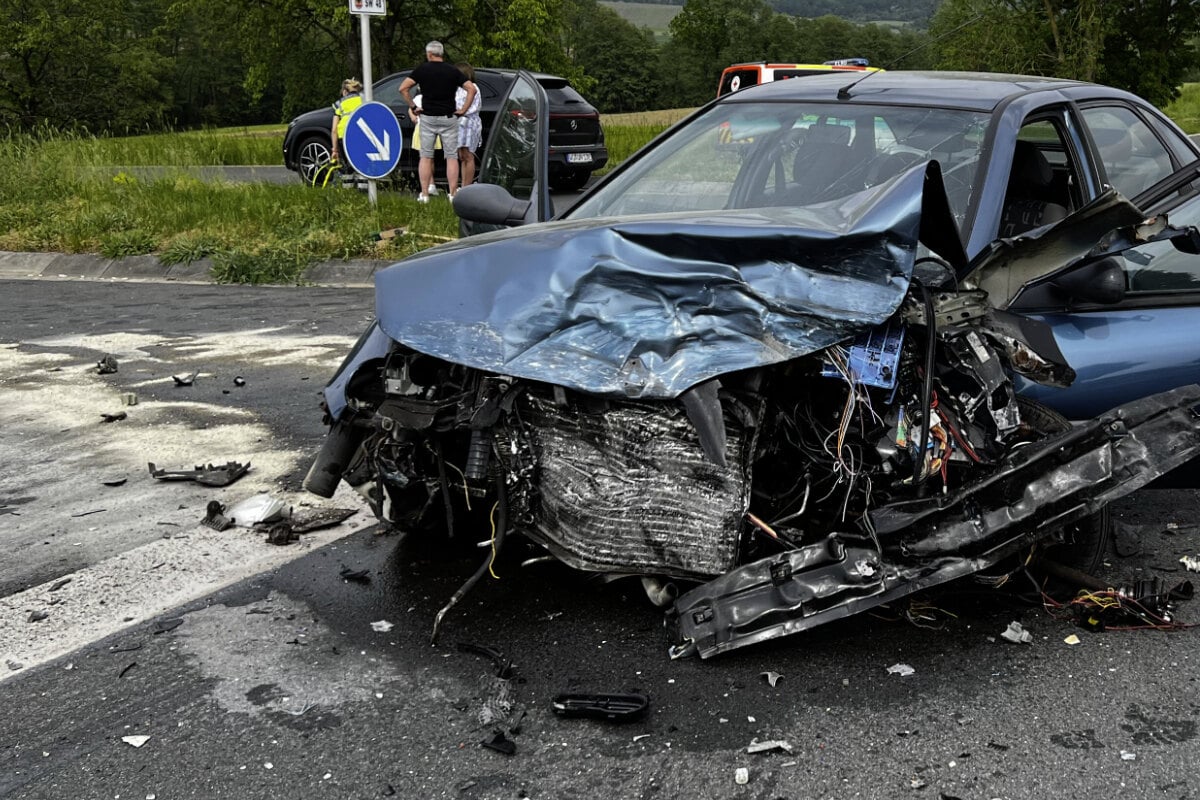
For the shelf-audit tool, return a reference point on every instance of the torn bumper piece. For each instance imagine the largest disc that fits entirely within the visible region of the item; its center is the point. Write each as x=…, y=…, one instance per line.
x=206, y=475
x=931, y=541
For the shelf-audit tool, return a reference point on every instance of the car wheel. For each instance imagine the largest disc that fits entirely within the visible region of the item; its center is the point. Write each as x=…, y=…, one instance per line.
x=313, y=154
x=570, y=180
x=1083, y=543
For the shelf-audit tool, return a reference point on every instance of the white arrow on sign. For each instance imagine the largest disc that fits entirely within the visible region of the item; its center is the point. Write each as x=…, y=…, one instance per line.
x=383, y=150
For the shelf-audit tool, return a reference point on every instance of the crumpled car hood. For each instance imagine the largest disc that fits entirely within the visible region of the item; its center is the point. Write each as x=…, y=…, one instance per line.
x=651, y=306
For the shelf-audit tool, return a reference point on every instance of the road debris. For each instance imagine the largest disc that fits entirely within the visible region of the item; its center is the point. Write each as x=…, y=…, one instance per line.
x=114, y=483
x=255, y=509
x=13, y=665
x=903, y=670
x=106, y=365
x=641, y=736
x=185, y=380
x=167, y=625
x=117, y=417
x=1071, y=640
x=59, y=584
x=238, y=380
x=38, y=615
x=355, y=575
x=772, y=677
x=214, y=516
x=769, y=746
x=89, y=513
x=129, y=398
x=500, y=743
x=1127, y=755
x=504, y=667
x=136, y=741
x=125, y=671
x=741, y=776
x=1016, y=634
x=610, y=707
x=207, y=475
x=1190, y=563
x=281, y=534
x=382, y=626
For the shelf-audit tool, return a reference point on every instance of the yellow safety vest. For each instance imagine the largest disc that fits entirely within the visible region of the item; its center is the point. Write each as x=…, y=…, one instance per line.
x=343, y=108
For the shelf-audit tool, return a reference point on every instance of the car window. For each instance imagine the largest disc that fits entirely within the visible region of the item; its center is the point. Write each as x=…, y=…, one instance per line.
x=1132, y=156
x=512, y=143
x=1158, y=267
x=1043, y=182
x=388, y=90
x=748, y=155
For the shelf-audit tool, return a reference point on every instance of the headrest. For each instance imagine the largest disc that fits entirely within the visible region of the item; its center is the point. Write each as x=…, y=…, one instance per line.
x=827, y=134
x=1030, y=168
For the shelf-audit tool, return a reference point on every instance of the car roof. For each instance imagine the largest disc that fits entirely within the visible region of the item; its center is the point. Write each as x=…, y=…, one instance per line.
x=977, y=91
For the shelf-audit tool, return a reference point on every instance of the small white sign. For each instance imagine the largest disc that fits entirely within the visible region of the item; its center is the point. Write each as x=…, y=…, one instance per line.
x=376, y=8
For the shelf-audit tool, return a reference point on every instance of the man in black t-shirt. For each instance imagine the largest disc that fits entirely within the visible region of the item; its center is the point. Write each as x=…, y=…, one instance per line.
x=438, y=114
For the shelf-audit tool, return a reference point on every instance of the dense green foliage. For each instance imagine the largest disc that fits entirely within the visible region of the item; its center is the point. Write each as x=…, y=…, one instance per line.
x=1144, y=46
x=135, y=65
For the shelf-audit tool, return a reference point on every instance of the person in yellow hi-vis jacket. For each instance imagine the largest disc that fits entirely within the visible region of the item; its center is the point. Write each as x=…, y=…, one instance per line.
x=350, y=100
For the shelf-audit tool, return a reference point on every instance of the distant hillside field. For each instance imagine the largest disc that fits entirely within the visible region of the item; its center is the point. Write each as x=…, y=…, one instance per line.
x=654, y=16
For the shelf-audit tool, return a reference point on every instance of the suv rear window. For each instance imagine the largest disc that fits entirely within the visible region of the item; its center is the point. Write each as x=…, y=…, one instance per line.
x=562, y=93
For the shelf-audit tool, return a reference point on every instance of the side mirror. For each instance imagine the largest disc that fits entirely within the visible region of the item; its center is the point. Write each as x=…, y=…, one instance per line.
x=490, y=204
x=1101, y=282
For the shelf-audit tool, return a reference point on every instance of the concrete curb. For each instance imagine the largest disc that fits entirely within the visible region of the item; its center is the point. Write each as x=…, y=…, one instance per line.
x=62, y=266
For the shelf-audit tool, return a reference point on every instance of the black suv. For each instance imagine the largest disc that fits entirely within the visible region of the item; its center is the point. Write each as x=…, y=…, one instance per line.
x=576, y=138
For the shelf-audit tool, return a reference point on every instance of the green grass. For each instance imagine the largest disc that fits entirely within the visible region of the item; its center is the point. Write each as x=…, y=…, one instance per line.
x=645, y=15
x=259, y=145
x=1186, y=109
x=54, y=198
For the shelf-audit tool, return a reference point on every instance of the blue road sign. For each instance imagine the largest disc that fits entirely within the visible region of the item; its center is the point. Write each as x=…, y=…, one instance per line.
x=373, y=141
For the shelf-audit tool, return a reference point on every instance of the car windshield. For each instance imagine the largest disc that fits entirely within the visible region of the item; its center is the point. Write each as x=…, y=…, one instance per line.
x=741, y=155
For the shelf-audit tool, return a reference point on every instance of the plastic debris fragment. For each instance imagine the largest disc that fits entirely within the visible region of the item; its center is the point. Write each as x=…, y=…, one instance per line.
x=259, y=508
x=1190, y=563
x=117, y=417
x=903, y=670
x=500, y=743
x=1072, y=639
x=129, y=398
x=609, y=707
x=1016, y=634
x=1126, y=755
x=106, y=365
x=38, y=615
x=185, y=380
x=741, y=776
x=768, y=746
x=772, y=677
x=208, y=475
x=215, y=518
x=382, y=626
x=136, y=741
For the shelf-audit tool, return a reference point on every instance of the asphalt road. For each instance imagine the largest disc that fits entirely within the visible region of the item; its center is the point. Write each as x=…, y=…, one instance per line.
x=278, y=684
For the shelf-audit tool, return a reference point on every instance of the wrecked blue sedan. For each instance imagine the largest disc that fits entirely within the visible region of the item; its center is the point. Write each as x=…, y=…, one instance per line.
x=773, y=378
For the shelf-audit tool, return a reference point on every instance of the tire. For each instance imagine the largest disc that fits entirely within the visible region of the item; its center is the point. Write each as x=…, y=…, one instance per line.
x=1085, y=542
x=313, y=154
x=570, y=180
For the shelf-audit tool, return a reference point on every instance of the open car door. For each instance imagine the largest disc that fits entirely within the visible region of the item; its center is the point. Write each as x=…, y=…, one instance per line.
x=515, y=160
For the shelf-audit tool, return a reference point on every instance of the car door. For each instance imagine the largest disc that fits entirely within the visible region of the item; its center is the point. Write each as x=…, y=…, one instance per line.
x=1146, y=342
x=516, y=155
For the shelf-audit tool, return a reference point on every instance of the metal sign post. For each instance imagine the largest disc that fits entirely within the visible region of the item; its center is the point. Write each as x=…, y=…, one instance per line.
x=365, y=9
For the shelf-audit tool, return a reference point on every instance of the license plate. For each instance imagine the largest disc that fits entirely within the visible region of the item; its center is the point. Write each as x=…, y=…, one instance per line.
x=579, y=158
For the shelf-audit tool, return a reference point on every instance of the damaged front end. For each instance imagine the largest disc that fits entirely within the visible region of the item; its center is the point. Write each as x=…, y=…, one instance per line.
x=780, y=406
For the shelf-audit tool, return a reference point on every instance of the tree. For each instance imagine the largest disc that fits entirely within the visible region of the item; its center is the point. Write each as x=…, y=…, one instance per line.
x=1139, y=45
x=619, y=60
x=98, y=65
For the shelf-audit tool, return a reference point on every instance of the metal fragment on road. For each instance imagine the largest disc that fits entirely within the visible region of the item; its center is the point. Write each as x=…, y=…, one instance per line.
x=382, y=626
x=769, y=746
x=903, y=670
x=772, y=677
x=106, y=365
